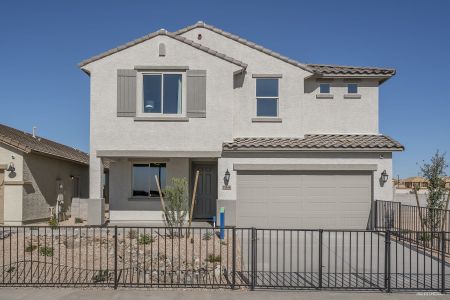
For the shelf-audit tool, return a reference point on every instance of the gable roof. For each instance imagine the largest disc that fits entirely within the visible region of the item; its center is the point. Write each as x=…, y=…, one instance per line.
x=313, y=68
x=25, y=142
x=168, y=34
x=325, y=142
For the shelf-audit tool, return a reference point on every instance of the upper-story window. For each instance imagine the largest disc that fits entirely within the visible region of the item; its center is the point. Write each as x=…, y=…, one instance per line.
x=162, y=93
x=267, y=97
x=352, y=88
x=324, y=88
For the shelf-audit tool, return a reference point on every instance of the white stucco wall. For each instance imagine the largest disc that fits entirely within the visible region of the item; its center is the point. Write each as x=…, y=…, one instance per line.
x=229, y=114
x=299, y=109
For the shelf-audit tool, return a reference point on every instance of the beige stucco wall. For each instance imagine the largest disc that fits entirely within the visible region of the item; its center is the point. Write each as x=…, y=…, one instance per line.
x=13, y=193
x=123, y=207
x=43, y=173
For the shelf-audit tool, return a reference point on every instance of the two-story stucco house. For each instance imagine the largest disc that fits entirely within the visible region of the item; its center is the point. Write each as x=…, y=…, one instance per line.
x=301, y=142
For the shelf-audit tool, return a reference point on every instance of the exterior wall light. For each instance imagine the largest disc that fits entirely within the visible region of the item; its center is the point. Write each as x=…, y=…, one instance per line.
x=11, y=167
x=226, y=178
x=384, y=176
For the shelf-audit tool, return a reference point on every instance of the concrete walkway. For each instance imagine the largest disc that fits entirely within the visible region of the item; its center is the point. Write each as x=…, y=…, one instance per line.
x=138, y=294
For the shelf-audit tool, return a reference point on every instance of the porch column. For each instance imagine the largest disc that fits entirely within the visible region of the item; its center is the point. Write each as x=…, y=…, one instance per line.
x=95, y=177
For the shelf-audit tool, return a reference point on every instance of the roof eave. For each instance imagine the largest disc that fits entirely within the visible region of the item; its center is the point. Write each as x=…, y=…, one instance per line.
x=275, y=150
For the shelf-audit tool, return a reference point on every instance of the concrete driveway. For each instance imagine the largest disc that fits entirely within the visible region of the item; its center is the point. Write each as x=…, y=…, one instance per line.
x=353, y=259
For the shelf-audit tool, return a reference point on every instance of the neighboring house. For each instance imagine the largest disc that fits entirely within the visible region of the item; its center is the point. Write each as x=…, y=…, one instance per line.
x=420, y=182
x=301, y=142
x=33, y=170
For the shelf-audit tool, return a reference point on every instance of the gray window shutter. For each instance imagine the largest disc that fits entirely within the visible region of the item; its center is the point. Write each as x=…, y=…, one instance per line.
x=126, y=93
x=196, y=93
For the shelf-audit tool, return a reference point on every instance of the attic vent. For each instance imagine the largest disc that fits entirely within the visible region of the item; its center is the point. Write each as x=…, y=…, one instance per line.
x=162, y=49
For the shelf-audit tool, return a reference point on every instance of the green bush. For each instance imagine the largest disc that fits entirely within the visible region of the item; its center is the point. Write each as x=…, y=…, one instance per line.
x=78, y=220
x=46, y=251
x=145, y=239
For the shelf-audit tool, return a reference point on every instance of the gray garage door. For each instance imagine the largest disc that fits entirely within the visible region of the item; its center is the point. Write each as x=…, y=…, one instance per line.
x=303, y=199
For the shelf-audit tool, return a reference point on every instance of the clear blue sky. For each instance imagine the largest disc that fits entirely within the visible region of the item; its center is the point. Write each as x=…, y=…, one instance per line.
x=41, y=43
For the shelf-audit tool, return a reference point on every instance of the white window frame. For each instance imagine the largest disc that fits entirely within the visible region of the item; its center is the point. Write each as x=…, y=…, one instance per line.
x=140, y=87
x=277, y=98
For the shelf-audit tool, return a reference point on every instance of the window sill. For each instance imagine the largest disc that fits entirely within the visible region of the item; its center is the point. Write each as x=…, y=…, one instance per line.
x=161, y=119
x=137, y=198
x=266, y=120
x=352, y=96
x=324, y=96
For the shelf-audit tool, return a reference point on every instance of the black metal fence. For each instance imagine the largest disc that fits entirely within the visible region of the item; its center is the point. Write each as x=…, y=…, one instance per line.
x=404, y=219
x=244, y=258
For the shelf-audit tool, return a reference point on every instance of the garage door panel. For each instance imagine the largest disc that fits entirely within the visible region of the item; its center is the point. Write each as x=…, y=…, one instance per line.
x=304, y=200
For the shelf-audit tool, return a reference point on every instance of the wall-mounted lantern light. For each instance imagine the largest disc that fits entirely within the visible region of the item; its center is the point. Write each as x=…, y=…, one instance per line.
x=11, y=167
x=226, y=178
x=384, y=176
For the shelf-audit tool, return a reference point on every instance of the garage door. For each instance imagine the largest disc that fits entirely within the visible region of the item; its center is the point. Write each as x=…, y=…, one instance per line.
x=303, y=199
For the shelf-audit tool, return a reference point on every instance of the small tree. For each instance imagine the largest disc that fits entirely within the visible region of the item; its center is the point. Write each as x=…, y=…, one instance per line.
x=434, y=172
x=176, y=202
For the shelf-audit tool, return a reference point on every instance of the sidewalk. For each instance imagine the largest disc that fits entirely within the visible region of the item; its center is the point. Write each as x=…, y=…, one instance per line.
x=141, y=294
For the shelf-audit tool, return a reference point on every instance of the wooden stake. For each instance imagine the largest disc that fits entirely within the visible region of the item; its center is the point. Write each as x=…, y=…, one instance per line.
x=444, y=218
x=418, y=207
x=194, y=193
x=163, y=206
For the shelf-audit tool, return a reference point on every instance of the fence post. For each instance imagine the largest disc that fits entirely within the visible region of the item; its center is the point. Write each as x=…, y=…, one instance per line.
x=115, y=257
x=375, y=217
x=387, y=261
x=400, y=227
x=320, y=256
x=253, y=269
x=233, y=259
x=443, y=262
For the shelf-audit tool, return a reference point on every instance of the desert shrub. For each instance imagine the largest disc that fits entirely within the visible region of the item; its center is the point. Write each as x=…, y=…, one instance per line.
x=214, y=258
x=78, y=220
x=207, y=236
x=53, y=222
x=101, y=276
x=132, y=234
x=176, y=202
x=46, y=251
x=145, y=239
x=30, y=248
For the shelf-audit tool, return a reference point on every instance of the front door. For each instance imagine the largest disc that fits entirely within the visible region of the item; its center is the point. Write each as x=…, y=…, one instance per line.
x=206, y=198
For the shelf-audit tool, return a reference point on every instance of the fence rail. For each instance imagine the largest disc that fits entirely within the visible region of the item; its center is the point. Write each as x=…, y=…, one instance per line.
x=251, y=258
x=406, y=219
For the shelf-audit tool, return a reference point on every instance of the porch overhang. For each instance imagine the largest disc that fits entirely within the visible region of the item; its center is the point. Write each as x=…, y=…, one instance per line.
x=156, y=153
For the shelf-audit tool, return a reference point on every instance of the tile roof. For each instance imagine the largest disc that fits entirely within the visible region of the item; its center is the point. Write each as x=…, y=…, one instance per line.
x=327, y=142
x=27, y=143
x=171, y=35
x=349, y=70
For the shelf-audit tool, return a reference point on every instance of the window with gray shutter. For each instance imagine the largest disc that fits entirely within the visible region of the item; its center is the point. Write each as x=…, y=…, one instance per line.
x=196, y=93
x=126, y=93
